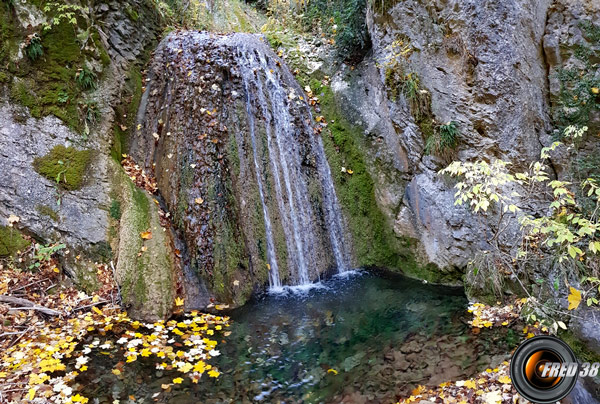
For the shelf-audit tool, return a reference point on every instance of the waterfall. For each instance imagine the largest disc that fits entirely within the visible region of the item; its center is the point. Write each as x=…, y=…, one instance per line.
x=229, y=134
x=292, y=198
x=274, y=280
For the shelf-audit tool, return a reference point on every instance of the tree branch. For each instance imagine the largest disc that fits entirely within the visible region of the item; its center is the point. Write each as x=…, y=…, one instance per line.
x=27, y=305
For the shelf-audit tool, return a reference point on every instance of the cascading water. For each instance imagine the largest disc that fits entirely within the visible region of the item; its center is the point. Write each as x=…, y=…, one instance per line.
x=274, y=280
x=229, y=134
x=294, y=206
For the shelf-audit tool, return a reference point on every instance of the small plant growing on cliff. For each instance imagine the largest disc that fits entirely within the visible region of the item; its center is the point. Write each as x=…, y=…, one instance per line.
x=580, y=84
x=63, y=12
x=43, y=254
x=443, y=140
x=90, y=112
x=33, y=47
x=86, y=78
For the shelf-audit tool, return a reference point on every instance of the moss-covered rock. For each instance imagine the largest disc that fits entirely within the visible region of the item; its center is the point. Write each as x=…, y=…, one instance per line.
x=64, y=165
x=11, y=241
x=145, y=267
x=126, y=113
x=47, y=211
x=374, y=242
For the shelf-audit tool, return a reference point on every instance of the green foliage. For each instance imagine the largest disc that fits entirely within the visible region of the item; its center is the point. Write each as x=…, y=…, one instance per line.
x=115, y=209
x=64, y=165
x=344, y=20
x=59, y=13
x=63, y=97
x=91, y=113
x=86, y=78
x=33, y=47
x=444, y=140
x=565, y=232
x=351, y=38
x=43, y=254
x=131, y=13
x=11, y=241
x=580, y=84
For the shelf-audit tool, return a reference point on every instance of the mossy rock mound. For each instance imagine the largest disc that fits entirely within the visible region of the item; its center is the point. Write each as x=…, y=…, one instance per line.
x=145, y=266
x=64, y=165
x=11, y=241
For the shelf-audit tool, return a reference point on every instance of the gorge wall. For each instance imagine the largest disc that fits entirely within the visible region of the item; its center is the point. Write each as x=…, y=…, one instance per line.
x=491, y=69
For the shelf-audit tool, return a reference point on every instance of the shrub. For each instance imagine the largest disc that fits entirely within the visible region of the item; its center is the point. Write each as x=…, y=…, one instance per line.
x=443, y=140
x=562, y=232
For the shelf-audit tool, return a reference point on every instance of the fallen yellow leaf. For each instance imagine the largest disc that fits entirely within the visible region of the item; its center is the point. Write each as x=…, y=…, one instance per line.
x=146, y=235
x=574, y=298
x=504, y=379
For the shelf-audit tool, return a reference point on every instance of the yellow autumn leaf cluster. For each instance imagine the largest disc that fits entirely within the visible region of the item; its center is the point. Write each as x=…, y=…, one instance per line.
x=488, y=387
x=47, y=361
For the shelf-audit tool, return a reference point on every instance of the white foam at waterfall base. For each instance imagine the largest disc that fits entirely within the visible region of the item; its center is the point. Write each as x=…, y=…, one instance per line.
x=305, y=289
x=297, y=290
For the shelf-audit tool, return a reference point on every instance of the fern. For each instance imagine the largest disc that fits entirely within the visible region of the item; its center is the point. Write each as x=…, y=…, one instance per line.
x=33, y=47
x=86, y=79
x=444, y=140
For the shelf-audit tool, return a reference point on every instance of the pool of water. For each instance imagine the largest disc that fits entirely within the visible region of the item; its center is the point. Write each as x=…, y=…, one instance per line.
x=352, y=339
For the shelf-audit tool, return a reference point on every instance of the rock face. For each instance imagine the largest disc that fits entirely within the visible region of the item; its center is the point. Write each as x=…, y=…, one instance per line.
x=80, y=220
x=77, y=213
x=229, y=135
x=478, y=63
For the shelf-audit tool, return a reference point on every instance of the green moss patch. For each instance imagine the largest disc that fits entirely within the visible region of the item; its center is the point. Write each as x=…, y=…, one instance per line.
x=581, y=350
x=373, y=239
x=47, y=85
x=64, y=165
x=11, y=241
x=126, y=113
x=374, y=242
x=145, y=274
x=46, y=210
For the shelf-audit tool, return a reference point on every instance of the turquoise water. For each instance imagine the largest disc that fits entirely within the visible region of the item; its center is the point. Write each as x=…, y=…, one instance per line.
x=350, y=339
